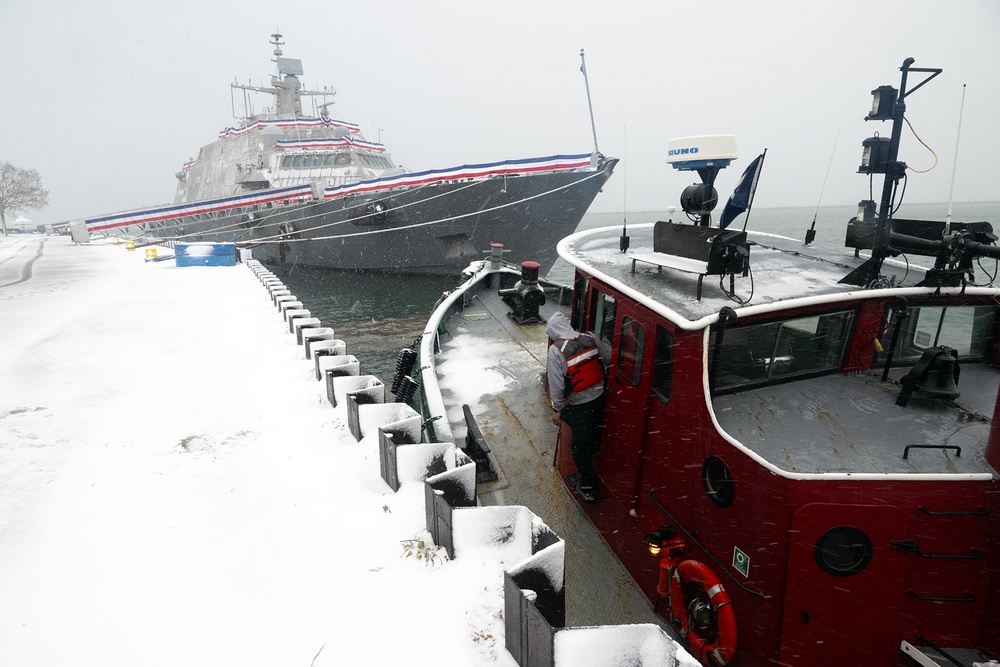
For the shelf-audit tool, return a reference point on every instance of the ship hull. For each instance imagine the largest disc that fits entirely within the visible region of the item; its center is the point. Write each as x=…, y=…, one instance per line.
x=435, y=229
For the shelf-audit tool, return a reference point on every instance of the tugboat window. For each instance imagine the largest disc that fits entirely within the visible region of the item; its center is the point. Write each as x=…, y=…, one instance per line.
x=843, y=551
x=966, y=329
x=718, y=481
x=631, y=346
x=663, y=361
x=602, y=319
x=775, y=351
x=580, y=307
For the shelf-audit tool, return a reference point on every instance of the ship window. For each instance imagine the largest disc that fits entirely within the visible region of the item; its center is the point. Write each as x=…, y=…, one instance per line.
x=343, y=160
x=286, y=161
x=718, y=481
x=328, y=160
x=631, y=346
x=843, y=551
x=297, y=161
x=762, y=353
x=373, y=161
x=966, y=329
x=663, y=361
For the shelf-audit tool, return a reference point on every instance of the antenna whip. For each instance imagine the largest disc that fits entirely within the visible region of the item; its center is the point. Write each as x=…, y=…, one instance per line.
x=954, y=166
x=811, y=232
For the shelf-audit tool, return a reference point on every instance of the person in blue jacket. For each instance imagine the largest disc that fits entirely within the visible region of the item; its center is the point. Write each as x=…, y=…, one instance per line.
x=575, y=366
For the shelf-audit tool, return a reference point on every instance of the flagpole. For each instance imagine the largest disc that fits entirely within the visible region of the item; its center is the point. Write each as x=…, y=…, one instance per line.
x=753, y=190
x=586, y=81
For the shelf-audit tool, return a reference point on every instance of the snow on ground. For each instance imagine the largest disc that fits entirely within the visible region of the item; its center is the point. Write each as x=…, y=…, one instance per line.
x=175, y=489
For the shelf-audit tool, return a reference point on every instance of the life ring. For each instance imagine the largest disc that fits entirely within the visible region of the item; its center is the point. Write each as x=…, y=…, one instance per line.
x=708, y=627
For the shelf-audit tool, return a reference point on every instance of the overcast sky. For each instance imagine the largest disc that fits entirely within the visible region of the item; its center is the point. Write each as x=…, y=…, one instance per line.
x=107, y=98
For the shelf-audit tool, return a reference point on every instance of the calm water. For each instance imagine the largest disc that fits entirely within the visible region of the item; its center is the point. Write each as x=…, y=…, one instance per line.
x=376, y=315
x=379, y=314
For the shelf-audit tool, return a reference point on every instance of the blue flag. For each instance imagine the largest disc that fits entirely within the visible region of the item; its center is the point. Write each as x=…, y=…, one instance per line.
x=743, y=194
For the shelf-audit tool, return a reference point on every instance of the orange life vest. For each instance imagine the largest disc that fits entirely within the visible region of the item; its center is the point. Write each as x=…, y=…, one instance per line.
x=583, y=363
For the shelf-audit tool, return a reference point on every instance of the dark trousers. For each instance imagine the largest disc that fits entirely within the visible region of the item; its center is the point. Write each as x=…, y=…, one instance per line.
x=585, y=422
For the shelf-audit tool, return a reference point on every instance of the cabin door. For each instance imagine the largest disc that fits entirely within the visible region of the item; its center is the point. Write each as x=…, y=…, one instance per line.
x=626, y=409
x=843, y=586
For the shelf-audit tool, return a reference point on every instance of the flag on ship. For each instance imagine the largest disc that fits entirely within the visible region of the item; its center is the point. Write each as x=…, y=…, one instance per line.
x=742, y=196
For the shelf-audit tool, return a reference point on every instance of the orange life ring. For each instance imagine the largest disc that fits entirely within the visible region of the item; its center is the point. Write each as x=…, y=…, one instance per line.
x=723, y=619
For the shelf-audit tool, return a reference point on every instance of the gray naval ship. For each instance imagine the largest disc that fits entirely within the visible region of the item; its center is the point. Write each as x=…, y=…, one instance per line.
x=304, y=189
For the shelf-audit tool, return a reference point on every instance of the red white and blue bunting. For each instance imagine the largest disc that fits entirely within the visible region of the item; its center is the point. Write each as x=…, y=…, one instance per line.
x=291, y=194
x=466, y=172
x=289, y=123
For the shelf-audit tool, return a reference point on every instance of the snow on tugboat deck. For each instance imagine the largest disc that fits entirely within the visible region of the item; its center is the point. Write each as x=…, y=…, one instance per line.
x=495, y=365
x=782, y=269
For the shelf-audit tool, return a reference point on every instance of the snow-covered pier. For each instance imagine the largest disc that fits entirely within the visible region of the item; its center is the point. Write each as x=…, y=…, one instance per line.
x=177, y=488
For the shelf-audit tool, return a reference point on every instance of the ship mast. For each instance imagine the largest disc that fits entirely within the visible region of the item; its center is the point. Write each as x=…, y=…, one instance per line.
x=285, y=85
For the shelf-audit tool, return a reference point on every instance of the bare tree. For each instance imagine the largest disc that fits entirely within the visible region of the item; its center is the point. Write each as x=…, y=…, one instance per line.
x=20, y=189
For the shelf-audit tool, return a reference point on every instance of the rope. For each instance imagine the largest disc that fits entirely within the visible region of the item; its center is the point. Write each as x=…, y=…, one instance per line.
x=240, y=225
x=277, y=237
x=423, y=224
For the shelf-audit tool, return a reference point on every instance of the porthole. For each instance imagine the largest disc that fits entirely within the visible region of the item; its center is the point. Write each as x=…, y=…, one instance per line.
x=843, y=551
x=718, y=481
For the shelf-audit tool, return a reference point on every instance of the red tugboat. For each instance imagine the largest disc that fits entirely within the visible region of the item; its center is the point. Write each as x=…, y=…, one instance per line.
x=799, y=462
x=815, y=465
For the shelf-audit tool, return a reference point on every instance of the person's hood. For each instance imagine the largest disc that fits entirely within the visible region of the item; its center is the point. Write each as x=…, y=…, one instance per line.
x=559, y=327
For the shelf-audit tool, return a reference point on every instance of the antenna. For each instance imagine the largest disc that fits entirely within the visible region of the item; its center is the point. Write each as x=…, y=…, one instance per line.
x=954, y=166
x=811, y=232
x=623, y=242
x=586, y=81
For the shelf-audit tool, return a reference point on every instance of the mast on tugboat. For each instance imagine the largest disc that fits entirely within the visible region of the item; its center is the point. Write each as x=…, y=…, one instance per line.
x=888, y=103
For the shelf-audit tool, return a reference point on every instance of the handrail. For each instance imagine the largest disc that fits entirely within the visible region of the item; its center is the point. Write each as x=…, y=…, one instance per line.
x=980, y=511
x=968, y=597
x=958, y=450
x=913, y=547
